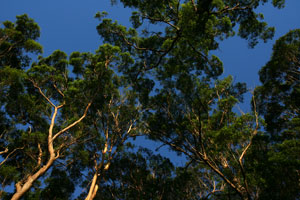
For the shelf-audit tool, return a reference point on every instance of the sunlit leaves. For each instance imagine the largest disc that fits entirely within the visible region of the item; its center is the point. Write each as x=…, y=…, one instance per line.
x=16, y=39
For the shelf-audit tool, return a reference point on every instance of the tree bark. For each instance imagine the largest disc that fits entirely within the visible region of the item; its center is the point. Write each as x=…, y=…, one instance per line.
x=22, y=188
x=93, y=188
x=24, y=185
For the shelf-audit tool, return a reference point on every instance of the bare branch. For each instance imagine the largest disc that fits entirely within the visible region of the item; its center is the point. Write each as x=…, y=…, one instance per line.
x=7, y=157
x=248, y=146
x=58, y=90
x=133, y=45
x=162, y=20
x=9, y=49
x=24, y=185
x=254, y=131
x=215, y=169
x=41, y=92
x=228, y=9
x=5, y=151
x=40, y=155
x=73, y=124
x=194, y=5
x=93, y=188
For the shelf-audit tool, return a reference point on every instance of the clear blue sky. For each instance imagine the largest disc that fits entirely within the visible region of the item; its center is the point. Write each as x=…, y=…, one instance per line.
x=244, y=63
x=69, y=25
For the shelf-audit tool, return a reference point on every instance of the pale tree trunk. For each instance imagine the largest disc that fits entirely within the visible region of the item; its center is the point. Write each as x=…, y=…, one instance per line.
x=22, y=189
x=108, y=150
x=93, y=188
x=24, y=185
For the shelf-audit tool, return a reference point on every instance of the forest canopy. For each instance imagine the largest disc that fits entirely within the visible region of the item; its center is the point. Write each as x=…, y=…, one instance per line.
x=68, y=123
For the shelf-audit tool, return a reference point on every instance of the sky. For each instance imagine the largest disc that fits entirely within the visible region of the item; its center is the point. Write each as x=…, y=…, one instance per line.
x=69, y=25
x=244, y=63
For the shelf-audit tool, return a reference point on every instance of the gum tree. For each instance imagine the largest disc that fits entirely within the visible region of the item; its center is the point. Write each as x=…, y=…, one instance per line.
x=190, y=110
x=158, y=78
x=114, y=117
x=278, y=100
x=48, y=111
x=17, y=40
x=175, y=65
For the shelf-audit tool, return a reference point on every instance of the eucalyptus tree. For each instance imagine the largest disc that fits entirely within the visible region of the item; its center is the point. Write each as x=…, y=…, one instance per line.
x=17, y=40
x=175, y=74
x=145, y=175
x=113, y=120
x=40, y=107
x=278, y=102
x=197, y=120
x=173, y=35
x=158, y=78
x=280, y=78
x=48, y=111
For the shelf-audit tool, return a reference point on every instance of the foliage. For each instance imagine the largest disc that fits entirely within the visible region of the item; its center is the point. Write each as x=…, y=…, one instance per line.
x=280, y=79
x=279, y=98
x=67, y=123
x=16, y=39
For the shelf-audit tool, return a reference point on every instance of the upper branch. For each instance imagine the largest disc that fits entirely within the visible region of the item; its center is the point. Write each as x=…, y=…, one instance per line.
x=74, y=123
x=7, y=157
x=162, y=20
x=42, y=93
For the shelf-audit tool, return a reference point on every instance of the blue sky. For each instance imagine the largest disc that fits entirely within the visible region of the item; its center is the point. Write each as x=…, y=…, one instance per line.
x=244, y=63
x=69, y=25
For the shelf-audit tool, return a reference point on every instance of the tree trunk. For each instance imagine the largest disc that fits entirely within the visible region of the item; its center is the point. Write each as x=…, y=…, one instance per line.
x=93, y=188
x=22, y=189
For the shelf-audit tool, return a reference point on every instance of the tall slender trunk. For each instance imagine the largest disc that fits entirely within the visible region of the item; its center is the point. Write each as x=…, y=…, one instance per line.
x=93, y=188
x=24, y=185
x=22, y=189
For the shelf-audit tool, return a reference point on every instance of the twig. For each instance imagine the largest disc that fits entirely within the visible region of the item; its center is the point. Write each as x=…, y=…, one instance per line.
x=7, y=157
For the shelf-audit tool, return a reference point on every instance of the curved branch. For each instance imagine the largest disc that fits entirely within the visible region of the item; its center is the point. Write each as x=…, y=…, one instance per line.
x=7, y=157
x=74, y=123
x=41, y=92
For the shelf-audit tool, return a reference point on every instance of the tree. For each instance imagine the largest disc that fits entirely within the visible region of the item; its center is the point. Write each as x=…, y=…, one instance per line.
x=278, y=102
x=113, y=119
x=43, y=92
x=191, y=30
x=197, y=120
x=176, y=62
x=68, y=119
x=280, y=79
x=144, y=175
x=16, y=41
x=49, y=103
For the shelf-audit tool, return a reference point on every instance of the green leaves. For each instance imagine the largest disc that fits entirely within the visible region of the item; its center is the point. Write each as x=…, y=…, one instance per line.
x=17, y=39
x=33, y=46
x=278, y=3
x=280, y=78
x=158, y=79
x=252, y=30
x=54, y=191
x=278, y=103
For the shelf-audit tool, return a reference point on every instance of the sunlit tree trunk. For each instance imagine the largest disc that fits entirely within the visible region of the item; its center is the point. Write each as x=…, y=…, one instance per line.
x=24, y=185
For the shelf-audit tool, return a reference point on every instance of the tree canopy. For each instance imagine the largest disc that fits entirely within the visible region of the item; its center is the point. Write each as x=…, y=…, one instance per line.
x=68, y=123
